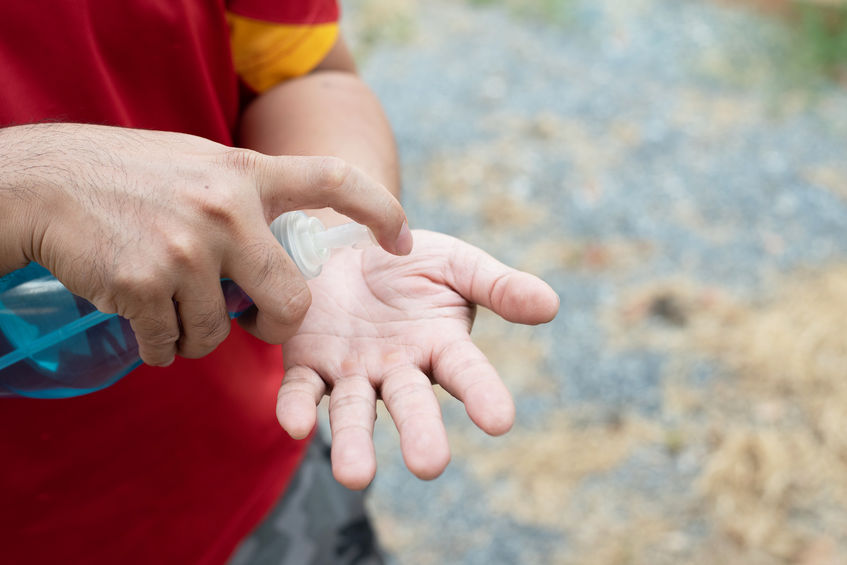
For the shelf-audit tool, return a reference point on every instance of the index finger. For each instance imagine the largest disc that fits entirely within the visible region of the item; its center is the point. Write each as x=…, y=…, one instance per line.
x=288, y=183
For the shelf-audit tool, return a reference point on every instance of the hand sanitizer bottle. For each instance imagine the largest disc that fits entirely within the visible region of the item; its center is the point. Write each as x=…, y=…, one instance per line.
x=54, y=344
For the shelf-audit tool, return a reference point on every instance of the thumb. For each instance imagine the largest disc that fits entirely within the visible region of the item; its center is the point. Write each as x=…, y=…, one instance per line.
x=514, y=295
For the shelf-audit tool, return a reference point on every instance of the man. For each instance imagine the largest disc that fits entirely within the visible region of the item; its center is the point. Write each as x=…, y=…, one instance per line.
x=181, y=461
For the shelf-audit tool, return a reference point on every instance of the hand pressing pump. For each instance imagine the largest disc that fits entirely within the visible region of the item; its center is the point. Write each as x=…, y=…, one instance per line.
x=54, y=344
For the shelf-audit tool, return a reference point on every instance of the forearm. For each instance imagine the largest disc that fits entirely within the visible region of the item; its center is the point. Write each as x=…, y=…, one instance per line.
x=325, y=113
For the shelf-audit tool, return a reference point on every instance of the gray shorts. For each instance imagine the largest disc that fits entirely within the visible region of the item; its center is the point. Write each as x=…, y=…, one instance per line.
x=316, y=522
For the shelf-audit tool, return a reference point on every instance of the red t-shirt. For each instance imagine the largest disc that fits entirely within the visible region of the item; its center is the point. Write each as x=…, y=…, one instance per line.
x=172, y=465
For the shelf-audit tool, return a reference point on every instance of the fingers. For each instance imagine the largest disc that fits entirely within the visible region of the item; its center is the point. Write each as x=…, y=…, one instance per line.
x=157, y=332
x=408, y=395
x=265, y=272
x=292, y=183
x=352, y=411
x=202, y=315
x=464, y=371
x=296, y=405
x=516, y=296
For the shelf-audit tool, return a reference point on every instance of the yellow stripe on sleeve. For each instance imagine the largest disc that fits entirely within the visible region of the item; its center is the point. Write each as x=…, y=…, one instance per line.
x=266, y=54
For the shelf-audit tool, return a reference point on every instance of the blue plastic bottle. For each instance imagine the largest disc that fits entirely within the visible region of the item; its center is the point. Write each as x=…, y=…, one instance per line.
x=54, y=344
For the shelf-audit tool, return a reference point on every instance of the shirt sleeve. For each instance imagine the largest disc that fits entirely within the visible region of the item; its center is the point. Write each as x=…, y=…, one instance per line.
x=275, y=40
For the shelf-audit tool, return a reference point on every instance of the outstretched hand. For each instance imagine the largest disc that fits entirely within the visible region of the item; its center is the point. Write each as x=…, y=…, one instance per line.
x=389, y=327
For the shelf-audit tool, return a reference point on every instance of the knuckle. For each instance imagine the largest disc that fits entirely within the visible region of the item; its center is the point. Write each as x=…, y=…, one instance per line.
x=498, y=289
x=298, y=301
x=220, y=206
x=293, y=305
x=264, y=260
x=392, y=212
x=210, y=331
x=334, y=173
x=242, y=161
x=420, y=415
x=473, y=367
x=403, y=393
x=155, y=333
x=219, y=332
x=137, y=282
x=354, y=409
x=181, y=249
x=294, y=386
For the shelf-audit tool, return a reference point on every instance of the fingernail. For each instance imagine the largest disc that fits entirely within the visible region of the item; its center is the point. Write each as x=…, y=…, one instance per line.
x=403, y=243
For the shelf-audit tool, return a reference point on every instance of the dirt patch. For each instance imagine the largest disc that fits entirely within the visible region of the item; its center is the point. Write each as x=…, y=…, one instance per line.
x=787, y=8
x=778, y=442
x=533, y=473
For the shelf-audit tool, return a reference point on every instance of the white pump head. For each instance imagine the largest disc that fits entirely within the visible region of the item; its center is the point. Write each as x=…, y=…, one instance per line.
x=309, y=242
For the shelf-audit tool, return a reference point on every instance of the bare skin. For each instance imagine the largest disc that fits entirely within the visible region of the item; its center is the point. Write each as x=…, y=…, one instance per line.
x=382, y=326
x=145, y=223
x=391, y=327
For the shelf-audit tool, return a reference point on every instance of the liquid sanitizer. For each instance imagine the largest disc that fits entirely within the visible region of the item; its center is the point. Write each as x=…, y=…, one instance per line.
x=54, y=344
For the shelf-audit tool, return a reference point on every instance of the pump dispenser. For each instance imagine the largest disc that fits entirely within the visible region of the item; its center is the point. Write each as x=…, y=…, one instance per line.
x=309, y=243
x=54, y=344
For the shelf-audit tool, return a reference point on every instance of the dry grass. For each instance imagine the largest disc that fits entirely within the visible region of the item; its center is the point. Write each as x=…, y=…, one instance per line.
x=369, y=23
x=536, y=471
x=513, y=204
x=777, y=467
x=521, y=364
x=830, y=178
x=585, y=255
x=819, y=42
x=788, y=8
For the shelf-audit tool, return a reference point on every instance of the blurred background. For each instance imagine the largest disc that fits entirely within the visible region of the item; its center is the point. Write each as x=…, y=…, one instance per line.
x=677, y=171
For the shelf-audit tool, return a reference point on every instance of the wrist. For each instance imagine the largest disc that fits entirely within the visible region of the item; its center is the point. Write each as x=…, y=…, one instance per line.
x=44, y=169
x=24, y=170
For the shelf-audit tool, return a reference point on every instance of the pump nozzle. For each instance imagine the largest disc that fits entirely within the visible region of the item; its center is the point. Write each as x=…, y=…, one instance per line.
x=309, y=242
x=350, y=234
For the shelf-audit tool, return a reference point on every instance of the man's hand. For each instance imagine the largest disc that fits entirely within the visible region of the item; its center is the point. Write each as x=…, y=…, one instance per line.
x=145, y=223
x=389, y=327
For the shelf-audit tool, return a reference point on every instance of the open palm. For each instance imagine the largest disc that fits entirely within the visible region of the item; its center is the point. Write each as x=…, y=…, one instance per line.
x=387, y=327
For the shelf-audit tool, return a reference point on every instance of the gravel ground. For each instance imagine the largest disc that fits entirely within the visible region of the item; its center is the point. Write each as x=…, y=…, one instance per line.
x=663, y=166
